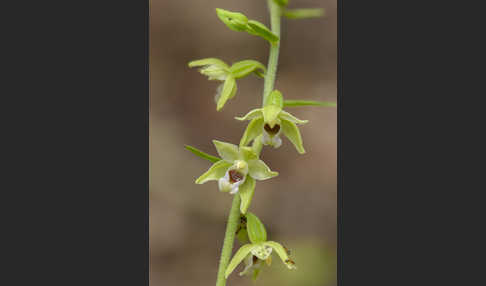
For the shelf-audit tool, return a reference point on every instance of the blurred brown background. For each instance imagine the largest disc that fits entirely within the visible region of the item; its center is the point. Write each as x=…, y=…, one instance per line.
x=187, y=221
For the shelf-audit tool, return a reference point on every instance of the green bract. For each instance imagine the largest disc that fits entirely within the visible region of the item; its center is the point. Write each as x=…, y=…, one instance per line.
x=216, y=69
x=239, y=22
x=255, y=228
x=270, y=121
x=254, y=253
x=303, y=13
x=237, y=171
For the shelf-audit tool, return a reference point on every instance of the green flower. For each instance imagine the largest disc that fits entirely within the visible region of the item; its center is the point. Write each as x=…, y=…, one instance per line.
x=253, y=254
x=216, y=69
x=271, y=121
x=237, y=171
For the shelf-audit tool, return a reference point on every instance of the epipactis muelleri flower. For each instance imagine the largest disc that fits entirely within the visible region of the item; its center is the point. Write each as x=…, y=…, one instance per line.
x=271, y=121
x=237, y=171
x=216, y=69
x=253, y=254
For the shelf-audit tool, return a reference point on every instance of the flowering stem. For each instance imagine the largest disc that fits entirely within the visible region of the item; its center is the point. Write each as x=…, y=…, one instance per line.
x=234, y=216
x=229, y=238
x=275, y=15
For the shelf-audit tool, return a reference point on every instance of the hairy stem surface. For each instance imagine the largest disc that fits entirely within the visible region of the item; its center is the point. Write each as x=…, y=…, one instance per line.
x=229, y=238
x=275, y=14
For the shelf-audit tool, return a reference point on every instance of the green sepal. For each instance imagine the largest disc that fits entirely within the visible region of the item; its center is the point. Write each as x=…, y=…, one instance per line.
x=234, y=20
x=215, y=172
x=291, y=131
x=246, y=191
x=242, y=236
x=256, y=229
x=247, y=153
x=208, y=62
x=237, y=258
x=254, y=128
x=275, y=98
x=270, y=114
x=258, y=29
x=303, y=13
x=260, y=171
x=282, y=3
x=227, y=151
x=229, y=91
x=201, y=154
x=289, y=117
x=257, y=145
x=243, y=68
x=255, y=113
x=293, y=103
x=281, y=252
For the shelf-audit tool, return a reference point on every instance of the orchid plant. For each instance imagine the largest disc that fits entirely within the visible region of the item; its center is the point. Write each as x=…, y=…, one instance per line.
x=238, y=167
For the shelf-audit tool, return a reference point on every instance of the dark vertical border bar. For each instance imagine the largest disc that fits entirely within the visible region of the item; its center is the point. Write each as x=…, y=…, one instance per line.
x=339, y=145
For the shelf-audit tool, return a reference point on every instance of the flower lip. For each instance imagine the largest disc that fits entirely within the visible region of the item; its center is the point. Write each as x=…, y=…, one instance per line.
x=271, y=130
x=234, y=176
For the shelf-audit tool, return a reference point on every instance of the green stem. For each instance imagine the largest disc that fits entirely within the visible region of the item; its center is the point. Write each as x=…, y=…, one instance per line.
x=229, y=238
x=275, y=15
x=234, y=216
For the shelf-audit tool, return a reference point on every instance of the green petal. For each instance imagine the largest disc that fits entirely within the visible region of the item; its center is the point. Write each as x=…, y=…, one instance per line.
x=234, y=20
x=237, y=258
x=207, y=62
x=202, y=154
x=258, y=29
x=216, y=171
x=270, y=114
x=260, y=171
x=245, y=67
x=256, y=229
x=257, y=145
x=281, y=252
x=227, y=151
x=229, y=91
x=291, y=131
x=254, y=128
x=246, y=191
x=289, y=117
x=255, y=113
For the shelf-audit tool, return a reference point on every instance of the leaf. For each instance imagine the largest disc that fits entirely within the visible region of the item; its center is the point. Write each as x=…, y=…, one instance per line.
x=303, y=13
x=260, y=171
x=255, y=228
x=229, y=91
x=234, y=20
x=293, y=103
x=258, y=29
x=291, y=131
x=246, y=191
x=201, y=154
x=207, y=62
x=243, y=68
x=216, y=171
x=254, y=128
x=237, y=258
x=227, y=151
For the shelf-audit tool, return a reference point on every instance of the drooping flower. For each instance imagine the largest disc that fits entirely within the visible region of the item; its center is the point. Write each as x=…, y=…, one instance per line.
x=216, y=69
x=271, y=121
x=253, y=254
x=237, y=171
